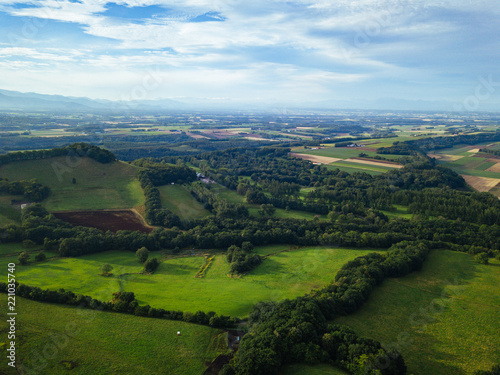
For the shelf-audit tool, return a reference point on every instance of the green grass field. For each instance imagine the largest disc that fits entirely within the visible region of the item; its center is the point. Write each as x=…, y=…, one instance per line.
x=173, y=286
x=177, y=199
x=98, y=186
x=105, y=342
x=445, y=318
x=401, y=211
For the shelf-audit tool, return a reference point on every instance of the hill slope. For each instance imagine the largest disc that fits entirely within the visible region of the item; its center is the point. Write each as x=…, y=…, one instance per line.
x=98, y=186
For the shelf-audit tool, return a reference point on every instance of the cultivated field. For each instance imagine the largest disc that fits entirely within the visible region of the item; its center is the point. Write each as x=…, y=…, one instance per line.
x=113, y=220
x=480, y=170
x=98, y=186
x=348, y=160
x=52, y=338
x=481, y=183
x=444, y=318
x=444, y=157
x=494, y=168
x=377, y=163
x=315, y=158
x=283, y=274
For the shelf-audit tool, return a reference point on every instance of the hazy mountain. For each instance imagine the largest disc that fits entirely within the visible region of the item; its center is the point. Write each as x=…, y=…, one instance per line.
x=14, y=100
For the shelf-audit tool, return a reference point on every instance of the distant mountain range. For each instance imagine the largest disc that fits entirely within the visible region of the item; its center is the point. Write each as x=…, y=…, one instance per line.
x=14, y=100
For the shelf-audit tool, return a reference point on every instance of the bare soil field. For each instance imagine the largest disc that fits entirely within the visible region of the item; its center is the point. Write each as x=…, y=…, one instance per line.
x=481, y=183
x=388, y=164
x=113, y=220
x=196, y=136
x=315, y=158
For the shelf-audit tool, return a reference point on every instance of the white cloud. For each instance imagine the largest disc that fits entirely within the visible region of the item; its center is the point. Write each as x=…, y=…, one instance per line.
x=274, y=48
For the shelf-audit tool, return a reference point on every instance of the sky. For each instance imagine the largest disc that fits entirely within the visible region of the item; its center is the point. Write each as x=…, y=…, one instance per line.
x=292, y=52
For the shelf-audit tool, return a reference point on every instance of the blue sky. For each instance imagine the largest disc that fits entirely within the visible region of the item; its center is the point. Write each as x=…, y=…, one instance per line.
x=254, y=51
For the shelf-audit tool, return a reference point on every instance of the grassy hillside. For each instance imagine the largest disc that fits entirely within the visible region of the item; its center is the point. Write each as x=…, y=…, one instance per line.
x=106, y=343
x=174, y=286
x=177, y=199
x=98, y=186
x=445, y=317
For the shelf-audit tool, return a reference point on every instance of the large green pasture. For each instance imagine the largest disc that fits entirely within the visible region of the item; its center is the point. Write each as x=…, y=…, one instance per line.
x=98, y=186
x=444, y=318
x=177, y=199
x=284, y=274
x=105, y=343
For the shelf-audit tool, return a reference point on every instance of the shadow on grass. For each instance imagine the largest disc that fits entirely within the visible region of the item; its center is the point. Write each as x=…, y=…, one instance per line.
x=267, y=267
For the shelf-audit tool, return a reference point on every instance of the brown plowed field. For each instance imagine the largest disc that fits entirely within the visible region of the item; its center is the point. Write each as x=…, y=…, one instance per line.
x=481, y=183
x=105, y=220
x=444, y=157
x=494, y=168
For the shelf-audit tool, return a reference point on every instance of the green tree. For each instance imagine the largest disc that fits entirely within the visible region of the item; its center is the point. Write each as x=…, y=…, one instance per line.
x=482, y=258
x=142, y=254
x=28, y=244
x=267, y=210
x=23, y=258
x=106, y=269
x=151, y=265
x=40, y=257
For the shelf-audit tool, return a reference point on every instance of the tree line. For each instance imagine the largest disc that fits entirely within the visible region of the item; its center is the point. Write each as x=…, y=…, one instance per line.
x=373, y=230
x=77, y=149
x=30, y=189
